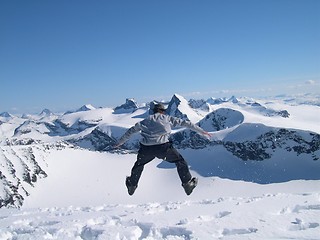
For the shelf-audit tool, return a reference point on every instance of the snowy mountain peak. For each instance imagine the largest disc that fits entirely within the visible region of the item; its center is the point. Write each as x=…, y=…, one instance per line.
x=174, y=105
x=86, y=107
x=179, y=107
x=233, y=99
x=6, y=115
x=46, y=112
x=129, y=106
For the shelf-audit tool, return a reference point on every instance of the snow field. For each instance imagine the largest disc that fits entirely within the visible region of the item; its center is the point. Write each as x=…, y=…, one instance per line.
x=267, y=216
x=84, y=197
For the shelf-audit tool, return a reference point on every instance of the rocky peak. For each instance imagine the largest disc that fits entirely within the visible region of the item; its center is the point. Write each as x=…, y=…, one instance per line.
x=86, y=107
x=46, y=113
x=176, y=103
x=197, y=103
x=5, y=115
x=220, y=119
x=233, y=99
x=216, y=101
x=129, y=106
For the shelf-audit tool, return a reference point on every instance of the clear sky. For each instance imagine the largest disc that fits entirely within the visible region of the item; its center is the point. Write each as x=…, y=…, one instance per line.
x=62, y=54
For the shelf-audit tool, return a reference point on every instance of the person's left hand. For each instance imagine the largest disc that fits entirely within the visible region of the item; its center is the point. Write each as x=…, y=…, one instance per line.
x=207, y=135
x=117, y=145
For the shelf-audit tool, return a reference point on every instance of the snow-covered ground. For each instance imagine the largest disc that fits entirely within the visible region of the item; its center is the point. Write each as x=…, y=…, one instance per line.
x=263, y=216
x=85, y=198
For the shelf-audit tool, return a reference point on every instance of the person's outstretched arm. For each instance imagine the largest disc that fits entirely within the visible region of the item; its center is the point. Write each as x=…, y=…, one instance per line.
x=185, y=123
x=128, y=134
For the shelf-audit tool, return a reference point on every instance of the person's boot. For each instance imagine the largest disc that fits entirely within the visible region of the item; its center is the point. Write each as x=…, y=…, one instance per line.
x=130, y=187
x=189, y=186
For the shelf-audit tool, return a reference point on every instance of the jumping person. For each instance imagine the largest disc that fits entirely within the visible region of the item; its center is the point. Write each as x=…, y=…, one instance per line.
x=155, y=131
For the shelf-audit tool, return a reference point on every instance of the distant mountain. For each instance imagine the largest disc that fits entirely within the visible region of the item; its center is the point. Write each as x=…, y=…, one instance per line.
x=30, y=126
x=262, y=142
x=220, y=119
x=247, y=129
x=299, y=99
x=179, y=107
x=266, y=111
x=6, y=115
x=129, y=106
x=86, y=107
x=257, y=142
x=46, y=112
x=199, y=104
x=215, y=101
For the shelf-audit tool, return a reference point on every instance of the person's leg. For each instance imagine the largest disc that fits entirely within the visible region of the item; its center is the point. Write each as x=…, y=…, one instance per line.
x=144, y=156
x=173, y=156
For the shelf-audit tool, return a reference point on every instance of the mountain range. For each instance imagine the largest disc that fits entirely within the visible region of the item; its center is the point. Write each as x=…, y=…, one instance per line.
x=280, y=134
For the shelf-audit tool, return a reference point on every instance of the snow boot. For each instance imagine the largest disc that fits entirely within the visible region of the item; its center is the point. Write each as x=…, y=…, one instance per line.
x=130, y=187
x=189, y=186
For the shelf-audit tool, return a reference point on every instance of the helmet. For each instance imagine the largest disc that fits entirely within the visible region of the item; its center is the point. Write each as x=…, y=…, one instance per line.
x=158, y=107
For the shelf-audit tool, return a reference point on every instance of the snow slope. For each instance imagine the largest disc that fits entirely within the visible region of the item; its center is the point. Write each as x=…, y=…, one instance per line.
x=86, y=199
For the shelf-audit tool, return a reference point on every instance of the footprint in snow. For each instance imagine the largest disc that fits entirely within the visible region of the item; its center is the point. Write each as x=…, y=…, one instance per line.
x=204, y=218
x=173, y=232
x=299, y=208
x=222, y=214
x=150, y=231
x=228, y=232
x=88, y=233
x=299, y=225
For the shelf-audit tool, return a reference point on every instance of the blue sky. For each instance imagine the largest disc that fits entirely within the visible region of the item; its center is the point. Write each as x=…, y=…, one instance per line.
x=63, y=54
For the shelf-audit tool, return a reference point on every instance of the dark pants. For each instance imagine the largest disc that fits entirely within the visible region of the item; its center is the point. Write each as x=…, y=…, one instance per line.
x=162, y=151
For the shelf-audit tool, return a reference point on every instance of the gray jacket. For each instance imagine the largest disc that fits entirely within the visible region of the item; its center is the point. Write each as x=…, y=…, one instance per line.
x=156, y=129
